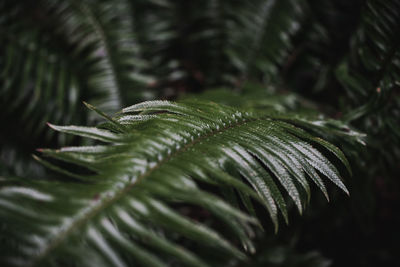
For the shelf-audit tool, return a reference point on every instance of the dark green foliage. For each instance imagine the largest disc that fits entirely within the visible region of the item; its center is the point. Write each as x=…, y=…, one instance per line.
x=156, y=154
x=375, y=54
x=67, y=53
x=361, y=83
x=269, y=93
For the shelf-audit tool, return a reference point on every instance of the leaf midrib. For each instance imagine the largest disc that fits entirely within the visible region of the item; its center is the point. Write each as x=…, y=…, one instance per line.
x=105, y=200
x=104, y=40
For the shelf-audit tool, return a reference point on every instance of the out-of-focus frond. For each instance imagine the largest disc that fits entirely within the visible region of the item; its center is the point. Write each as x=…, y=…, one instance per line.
x=194, y=45
x=371, y=76
x=374, y=63
x=261, y=43
x=69, y=52
x=53, y=56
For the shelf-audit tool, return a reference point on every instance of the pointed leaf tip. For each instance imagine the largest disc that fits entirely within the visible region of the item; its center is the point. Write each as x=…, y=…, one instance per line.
x=89, y=106
x=52, y=126
x=347, y=192
x=104, y=115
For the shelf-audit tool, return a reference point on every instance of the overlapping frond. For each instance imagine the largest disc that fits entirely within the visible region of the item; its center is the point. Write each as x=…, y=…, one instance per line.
x=128, y=207
x=263, y=41
x=53, y=56
x=371, y=76
x=33, y=71
x=195, y=45
x=69, y=52
x=373, y=66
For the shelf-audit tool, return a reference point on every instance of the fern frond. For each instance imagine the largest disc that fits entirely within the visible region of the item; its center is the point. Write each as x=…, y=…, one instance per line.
x=53, y=56
x=30, y=70
x=263, y=43
x=126, y=210
x=193, y=45
x=70, y=51
x=370, y=75
x=373, y=66
x=118, y=59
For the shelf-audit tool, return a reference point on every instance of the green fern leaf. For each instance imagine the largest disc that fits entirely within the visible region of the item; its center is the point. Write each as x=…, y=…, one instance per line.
x=127, y=211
